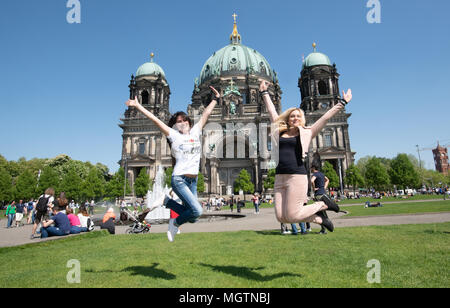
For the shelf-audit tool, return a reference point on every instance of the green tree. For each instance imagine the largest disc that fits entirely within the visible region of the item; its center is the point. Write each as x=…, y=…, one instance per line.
x=142, y=183
x=432, y=178
x=353, y=177
x=376, y=174
x=93, y=186
x=71, y=184
x=331, y=174
x=49, y=178
x=116, y=184
x=402, y=172
x=269, y=181
x=201, y=183
x=6, y=186
x=25, y=186
x=168, y=176
x=244, y=183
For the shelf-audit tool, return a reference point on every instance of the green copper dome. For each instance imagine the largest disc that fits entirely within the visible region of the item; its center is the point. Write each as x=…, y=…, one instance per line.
x=150, y=69
x=316, y=58
x=236, y=58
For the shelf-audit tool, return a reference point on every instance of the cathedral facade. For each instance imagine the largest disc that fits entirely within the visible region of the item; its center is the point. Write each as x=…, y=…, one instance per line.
x=237, y=135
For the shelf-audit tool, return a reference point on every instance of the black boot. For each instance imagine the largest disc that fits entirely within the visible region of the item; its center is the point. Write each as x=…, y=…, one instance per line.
x=332, y=206
x=326, y=222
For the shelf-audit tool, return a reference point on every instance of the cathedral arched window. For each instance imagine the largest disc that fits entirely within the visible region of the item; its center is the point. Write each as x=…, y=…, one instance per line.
x=323, y=89
x=145, y=98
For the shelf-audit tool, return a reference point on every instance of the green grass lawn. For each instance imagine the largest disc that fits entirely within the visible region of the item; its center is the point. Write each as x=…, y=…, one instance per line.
x=410, y=256
x=392, y=199
x=398, y=208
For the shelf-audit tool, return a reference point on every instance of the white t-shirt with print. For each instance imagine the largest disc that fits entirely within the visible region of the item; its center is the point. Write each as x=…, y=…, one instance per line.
x=186, y=149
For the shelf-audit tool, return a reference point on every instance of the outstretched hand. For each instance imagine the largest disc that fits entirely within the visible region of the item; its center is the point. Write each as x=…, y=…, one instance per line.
x=132, y=102
x=216, y=93
x=347, y=96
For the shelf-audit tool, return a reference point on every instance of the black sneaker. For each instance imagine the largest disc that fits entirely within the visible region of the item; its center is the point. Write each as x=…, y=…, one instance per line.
x=332, y=206
x=326, y=222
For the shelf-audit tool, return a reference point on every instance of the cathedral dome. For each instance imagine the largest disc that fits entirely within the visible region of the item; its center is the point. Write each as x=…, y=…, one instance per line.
x=236, y=59
x=316, y=58
x=150, y=69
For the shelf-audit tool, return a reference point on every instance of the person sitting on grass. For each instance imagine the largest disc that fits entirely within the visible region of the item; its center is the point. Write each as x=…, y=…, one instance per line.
x=75, y=224
x=108, y=221
x=85, y=219
x=61, y=227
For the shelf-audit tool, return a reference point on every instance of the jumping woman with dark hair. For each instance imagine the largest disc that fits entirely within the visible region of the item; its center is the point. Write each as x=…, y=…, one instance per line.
x=291, y=182
x=185, y=140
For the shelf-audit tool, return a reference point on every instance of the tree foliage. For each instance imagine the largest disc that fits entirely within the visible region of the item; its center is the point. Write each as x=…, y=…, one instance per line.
x=331, y=174
x=244, y=183
x=269, y=182
x=376, y=175
x=402, y=173
x=6, y=186
x=142, y=183
x=353, y=177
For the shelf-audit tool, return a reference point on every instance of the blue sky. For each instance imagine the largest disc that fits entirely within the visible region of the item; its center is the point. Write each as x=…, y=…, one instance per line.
x=63, y=86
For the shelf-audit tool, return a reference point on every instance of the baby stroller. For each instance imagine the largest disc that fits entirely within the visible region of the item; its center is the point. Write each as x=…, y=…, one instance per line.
x=139, y=225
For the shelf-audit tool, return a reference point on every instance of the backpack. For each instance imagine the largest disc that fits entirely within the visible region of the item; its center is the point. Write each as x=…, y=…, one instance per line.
x=41, y=206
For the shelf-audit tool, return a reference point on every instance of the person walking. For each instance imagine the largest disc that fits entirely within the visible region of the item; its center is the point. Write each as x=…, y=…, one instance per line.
x=11, y=213
x=185, y=142
x=292, y=138
x=256, y=201
x=20, y=211
x=42, y=206
x=319, y=184
x=30, y=211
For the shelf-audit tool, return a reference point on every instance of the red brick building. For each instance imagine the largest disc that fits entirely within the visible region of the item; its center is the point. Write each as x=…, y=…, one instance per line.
x=441, y=159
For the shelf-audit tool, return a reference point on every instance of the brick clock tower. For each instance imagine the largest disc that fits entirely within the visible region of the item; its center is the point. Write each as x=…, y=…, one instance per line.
x=441, y=159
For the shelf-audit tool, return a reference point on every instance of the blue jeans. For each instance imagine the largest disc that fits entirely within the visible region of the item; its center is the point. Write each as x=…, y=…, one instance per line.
x=77, y=230
x=256, y=207
x=52, y=231
x=302, y=228
x=10, y=219
x=186, y=190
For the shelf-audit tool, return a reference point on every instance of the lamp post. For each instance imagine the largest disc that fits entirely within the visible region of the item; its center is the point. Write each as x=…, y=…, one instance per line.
x=125, y=158
x=420, y=164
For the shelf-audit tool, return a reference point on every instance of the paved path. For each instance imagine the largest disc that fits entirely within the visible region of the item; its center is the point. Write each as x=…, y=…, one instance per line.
x=265, y=220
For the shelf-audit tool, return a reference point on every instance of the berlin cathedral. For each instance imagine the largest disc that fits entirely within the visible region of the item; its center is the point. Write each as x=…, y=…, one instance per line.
x=235, y=71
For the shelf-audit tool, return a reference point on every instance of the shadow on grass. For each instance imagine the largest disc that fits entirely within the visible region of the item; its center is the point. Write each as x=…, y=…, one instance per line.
x=436, y=232
x=147, y=271
x=269, y=232
x=247, y=272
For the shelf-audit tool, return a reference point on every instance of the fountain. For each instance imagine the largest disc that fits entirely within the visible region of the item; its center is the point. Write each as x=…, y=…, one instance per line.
x=159, y=189
x=162, y=214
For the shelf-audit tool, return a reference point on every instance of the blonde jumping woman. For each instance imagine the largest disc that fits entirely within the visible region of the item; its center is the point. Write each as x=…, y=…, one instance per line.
x=291, y=183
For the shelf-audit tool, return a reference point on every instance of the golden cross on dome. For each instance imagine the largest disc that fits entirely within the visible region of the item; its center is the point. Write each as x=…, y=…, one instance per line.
x=234, y=16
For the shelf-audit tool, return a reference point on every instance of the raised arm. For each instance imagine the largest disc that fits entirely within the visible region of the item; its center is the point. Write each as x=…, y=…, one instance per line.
x=161, y=125
x=320, y=124
x=207, y=112
x=327, y=181
x=263, y=86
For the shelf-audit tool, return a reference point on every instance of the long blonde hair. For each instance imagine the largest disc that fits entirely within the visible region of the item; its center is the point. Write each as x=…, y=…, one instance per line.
x=282, y=123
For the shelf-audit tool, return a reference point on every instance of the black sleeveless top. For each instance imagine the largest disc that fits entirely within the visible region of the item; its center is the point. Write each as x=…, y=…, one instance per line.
x=290, y=161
